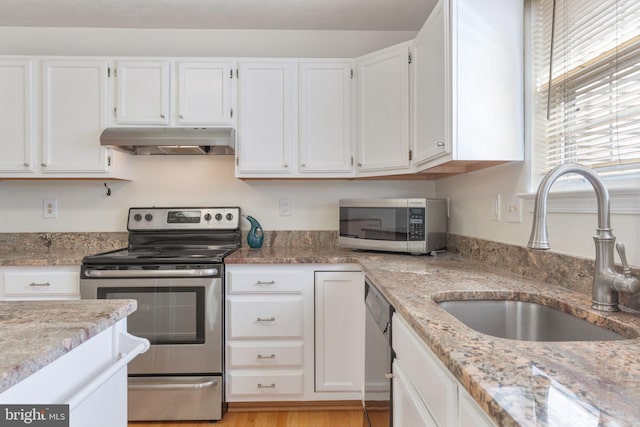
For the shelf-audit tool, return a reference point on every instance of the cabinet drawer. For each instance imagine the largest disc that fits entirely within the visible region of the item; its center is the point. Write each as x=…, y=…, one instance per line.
x=264, y=281
x=45, y=283
x=435, y=385
x=243, y=355
x=269, y=384
x=268, y=318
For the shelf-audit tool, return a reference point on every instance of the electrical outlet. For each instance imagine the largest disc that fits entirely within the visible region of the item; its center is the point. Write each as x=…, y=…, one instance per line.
x=50, y=208
x=514, y=209
x=285, y=209
x=494, y=213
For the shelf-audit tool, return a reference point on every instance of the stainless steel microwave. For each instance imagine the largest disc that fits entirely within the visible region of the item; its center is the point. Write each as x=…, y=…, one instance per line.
x=416, y=226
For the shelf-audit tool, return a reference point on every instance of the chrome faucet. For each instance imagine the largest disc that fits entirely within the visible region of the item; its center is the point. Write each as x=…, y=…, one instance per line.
x=606, y=281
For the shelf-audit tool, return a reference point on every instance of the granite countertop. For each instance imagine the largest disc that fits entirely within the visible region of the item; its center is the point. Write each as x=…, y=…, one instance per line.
x=35, y=333
x=37, y=259
x=518, y=383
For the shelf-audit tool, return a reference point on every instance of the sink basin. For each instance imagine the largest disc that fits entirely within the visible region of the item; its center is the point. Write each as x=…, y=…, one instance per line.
x=526, y=321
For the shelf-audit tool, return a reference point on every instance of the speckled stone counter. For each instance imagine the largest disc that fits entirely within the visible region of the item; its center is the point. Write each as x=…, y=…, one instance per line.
x=518, y=383
x=35, y=333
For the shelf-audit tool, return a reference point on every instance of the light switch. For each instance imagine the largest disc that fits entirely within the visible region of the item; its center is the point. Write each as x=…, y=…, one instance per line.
x=285, y=209
x=494, y=213
x=514, y=209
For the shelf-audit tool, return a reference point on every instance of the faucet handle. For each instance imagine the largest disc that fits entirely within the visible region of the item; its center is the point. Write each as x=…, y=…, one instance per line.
x=626, y=270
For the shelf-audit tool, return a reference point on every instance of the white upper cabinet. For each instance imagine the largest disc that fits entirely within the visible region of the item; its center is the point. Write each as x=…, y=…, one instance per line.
x=142, y=92
x=170, y=92
x=74, y=113
x=325, y=130
x=266, y=117
x=16, y=115
x=383, y=110
x=204, y=93
x=51, y=129
x=468, y=79
x=429, y=118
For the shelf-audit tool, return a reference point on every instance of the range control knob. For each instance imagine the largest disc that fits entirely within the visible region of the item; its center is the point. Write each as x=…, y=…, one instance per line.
x=218, y=216
x=148, y=217
x=137, y=217
x=229, y=217
x=207, y=217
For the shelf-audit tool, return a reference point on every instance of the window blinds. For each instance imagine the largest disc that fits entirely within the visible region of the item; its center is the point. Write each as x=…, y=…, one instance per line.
x=587, y=79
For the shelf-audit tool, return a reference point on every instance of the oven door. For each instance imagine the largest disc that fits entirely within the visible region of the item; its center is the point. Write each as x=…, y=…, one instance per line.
x=181, y=317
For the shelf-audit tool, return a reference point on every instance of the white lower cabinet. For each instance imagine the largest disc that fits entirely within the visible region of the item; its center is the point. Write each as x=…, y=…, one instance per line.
x=339, y=321
x=408, y=408
x=428, y=385
x=91, y=379
x=39, y=283
x=272, y=331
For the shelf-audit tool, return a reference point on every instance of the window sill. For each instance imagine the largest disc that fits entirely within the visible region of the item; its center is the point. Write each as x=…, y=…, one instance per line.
x=622, y=201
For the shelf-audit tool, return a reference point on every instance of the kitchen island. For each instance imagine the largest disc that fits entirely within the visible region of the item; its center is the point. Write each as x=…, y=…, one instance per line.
x=68, y=352
x=517, y=383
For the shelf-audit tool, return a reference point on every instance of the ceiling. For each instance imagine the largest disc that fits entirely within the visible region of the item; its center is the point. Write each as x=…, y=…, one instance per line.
x=374, y=15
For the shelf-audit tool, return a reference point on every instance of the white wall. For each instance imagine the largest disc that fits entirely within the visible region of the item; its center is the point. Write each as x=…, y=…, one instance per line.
x=569, y=233
x=159, y=42
x=187, y=181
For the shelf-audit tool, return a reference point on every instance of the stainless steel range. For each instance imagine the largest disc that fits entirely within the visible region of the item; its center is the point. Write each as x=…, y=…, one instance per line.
x=174, y=268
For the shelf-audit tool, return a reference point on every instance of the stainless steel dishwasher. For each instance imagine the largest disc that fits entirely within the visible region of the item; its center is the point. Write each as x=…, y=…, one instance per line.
x=378, y=358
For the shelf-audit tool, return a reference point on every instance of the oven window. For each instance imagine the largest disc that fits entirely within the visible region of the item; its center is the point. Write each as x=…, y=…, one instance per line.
x=165, y=315
x=374, y=223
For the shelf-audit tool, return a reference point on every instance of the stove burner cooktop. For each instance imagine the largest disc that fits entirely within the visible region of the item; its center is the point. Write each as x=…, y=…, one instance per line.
x=178, y=236
x=128, y=256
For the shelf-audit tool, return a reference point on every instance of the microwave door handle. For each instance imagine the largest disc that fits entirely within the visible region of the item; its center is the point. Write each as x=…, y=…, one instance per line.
x=150, y=273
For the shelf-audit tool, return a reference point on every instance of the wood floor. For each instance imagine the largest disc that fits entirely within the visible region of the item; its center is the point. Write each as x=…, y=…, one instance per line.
x=348, y=418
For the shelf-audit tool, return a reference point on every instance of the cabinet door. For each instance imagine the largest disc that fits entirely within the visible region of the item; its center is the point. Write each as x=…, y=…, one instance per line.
x=431, y=106
x=383, y=110
x=16, y=115
x=408, y=409
x=339, y=324
x=142, y=92
x=265, y=132
x=74, y=113
x=325, y=117
x=204, y=93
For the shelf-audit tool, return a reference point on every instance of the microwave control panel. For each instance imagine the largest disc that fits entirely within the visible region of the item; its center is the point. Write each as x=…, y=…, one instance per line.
x=416, y=224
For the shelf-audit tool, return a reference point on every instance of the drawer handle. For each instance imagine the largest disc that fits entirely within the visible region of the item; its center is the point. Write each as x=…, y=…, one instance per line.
x=272, y=385
x=271, y=319
x=271, y=356
x=39, y=285
x=270, y=282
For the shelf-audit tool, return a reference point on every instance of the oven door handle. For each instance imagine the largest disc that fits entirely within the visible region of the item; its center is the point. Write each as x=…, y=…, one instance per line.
x=197, y=386
x=194, y=272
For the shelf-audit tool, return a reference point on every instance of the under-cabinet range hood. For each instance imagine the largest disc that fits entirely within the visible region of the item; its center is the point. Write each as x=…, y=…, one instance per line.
x=166, y=140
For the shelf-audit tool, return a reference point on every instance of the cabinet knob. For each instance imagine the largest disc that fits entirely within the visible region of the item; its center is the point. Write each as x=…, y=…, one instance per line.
x=303, y=165
x=181, y=116
x=271, y=356
x=440, y=144
x=39, y=285
x=263, y=282
x=162, y=116
x=44, y=165
x=359, y=164
x=285, y=166
x=26, y=165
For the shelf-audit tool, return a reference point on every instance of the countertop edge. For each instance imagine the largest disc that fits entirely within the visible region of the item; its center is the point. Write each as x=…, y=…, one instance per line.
x=75, y=334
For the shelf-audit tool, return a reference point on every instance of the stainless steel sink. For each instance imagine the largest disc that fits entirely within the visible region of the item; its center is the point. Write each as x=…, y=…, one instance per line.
x=526, y=321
